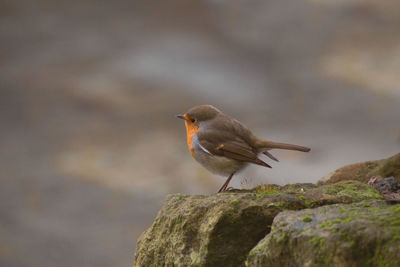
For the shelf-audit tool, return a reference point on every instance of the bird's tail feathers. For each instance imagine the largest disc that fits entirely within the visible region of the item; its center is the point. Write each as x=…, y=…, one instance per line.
x=264, y=145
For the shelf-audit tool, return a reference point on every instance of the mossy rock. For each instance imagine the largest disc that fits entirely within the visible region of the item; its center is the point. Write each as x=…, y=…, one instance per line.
x=360, y=234
x=364, y=170
x=220, y=229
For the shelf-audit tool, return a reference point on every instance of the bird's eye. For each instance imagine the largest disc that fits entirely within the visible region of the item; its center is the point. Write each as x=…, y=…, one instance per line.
x=193, y=120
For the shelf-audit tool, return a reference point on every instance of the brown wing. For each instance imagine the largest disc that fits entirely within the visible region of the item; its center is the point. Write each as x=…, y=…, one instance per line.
x=228, y=145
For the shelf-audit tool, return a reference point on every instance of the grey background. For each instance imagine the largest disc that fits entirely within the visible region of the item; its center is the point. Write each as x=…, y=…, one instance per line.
x=89, y=89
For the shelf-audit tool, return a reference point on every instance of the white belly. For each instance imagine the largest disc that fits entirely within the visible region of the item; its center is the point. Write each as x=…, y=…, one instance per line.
x=215, y=164
x=218, y=165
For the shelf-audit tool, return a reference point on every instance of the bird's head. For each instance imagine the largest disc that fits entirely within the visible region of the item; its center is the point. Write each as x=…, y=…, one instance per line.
x=198, y=114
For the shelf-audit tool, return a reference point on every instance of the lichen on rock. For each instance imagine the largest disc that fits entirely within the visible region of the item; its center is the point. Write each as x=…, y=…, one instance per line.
x=358, y=234
x=200, y=230
x=341, y=221
x=221, y=229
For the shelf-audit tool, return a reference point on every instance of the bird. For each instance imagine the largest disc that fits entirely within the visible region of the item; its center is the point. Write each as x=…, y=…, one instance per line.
x=223, y=145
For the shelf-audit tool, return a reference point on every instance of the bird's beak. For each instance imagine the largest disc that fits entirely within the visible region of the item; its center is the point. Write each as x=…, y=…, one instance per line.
x=180, y=116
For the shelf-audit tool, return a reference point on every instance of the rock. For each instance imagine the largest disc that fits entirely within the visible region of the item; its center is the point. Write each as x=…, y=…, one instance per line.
x=359, y=234
x=386, y=184
x=388, y=187
x=365, y=170
x=221, y=229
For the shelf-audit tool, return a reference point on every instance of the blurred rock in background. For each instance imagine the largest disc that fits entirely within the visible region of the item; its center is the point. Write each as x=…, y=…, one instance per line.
x=88, y=93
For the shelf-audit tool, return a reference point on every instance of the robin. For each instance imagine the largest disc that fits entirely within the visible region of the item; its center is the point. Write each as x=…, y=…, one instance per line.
x=223, y=145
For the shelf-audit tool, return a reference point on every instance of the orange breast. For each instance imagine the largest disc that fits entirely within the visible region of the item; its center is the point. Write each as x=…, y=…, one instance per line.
x=191, y=129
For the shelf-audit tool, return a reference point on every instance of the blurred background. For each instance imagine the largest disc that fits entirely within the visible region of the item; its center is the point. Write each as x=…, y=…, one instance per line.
x=89, y=89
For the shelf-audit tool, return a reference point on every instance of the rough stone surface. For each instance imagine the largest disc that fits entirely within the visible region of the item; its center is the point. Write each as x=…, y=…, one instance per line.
x=221, y=229
x=365, y=170
x=359, y=234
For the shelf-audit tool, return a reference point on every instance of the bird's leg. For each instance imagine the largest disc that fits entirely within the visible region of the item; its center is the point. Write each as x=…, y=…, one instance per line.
x=225, y=185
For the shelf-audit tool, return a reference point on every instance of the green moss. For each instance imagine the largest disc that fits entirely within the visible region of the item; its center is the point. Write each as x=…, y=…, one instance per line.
x=395, y=208
x=290, y=188
x=267, y=190
x=337, y=221
x=329, y=223
x=342, y=209
x=368, y=262
x=365, y=204
x=396, y=223
x=346, y=236
x=353, y=190
x=383, y=262
x=396, y=235
x=190, y=226
x=284, y=235
x=317, y=241
x=350, y=232
x=348, y=219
